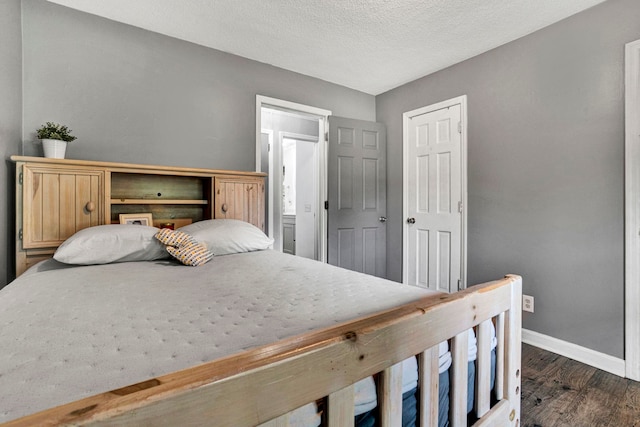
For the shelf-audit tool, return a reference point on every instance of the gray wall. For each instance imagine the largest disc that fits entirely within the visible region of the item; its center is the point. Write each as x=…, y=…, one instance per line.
x=10, y=127
x=136, y=96
x=545, y=168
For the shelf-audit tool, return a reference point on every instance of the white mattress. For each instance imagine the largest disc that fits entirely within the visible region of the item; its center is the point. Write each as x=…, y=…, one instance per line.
x=67, y=333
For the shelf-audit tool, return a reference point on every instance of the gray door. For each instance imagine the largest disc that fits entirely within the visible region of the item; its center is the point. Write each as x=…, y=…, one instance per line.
x=357, y=195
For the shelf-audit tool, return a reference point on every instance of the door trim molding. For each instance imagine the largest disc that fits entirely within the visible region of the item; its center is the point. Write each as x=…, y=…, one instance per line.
x=462, y=100
x=265, y=101
x=632, y=210
x=269, y=196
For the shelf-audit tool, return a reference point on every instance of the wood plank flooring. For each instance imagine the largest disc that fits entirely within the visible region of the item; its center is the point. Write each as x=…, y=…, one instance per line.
x=559, y=392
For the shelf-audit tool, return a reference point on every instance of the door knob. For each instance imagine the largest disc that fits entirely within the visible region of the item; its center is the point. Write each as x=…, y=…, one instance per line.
x=411, y=220
x=382, y=219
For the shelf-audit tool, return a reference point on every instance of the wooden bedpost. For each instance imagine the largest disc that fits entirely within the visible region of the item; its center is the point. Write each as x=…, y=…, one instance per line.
x=513, y=350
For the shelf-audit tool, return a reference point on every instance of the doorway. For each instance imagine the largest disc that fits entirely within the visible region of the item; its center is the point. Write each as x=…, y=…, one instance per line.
x=299, y=196
x=291, y=149
x=349, y=181
x=435, y=196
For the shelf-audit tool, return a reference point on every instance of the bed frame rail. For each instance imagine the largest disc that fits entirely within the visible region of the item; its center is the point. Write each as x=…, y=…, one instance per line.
x=259, y=386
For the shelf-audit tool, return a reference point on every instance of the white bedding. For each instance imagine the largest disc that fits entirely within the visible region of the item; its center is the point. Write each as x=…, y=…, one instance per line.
x=70, y=332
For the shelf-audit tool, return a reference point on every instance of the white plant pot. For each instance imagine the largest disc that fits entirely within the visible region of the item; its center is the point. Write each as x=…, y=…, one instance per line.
x=54, y=148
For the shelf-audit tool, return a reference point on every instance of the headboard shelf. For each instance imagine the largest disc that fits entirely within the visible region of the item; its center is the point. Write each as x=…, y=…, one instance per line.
x=158, y=202
x=57, y=197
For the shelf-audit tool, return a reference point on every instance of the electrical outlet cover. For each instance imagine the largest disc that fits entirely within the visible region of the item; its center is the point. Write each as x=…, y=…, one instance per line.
x=527, y=303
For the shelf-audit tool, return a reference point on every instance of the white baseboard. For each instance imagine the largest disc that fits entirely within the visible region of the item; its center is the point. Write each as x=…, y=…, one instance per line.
x=585, y=355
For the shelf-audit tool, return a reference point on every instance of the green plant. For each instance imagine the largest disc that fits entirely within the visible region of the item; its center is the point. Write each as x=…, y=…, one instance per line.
x=52, y=130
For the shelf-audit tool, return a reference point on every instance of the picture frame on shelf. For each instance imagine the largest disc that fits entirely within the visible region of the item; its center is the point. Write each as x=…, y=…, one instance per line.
x=137, y=219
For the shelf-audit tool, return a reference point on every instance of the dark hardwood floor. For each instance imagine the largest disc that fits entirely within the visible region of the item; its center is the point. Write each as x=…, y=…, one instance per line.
x=557, y=391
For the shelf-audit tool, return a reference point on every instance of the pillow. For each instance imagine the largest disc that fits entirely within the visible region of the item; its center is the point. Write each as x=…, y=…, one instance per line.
x=168, y=237
x=184, y=248
x=104, y=244
x=193, y=254
x=228, y=236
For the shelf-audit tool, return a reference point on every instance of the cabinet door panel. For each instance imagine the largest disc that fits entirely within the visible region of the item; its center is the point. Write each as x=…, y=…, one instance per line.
x=240, y=198
x=55, y=204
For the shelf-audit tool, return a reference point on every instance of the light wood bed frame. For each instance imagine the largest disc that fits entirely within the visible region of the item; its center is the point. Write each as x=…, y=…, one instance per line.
x=260, y=386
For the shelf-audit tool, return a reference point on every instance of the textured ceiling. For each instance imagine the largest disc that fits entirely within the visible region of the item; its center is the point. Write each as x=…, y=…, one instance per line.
x=368, y=45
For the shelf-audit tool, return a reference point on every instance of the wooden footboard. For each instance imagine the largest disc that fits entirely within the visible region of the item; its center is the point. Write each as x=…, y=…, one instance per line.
x=261, y=386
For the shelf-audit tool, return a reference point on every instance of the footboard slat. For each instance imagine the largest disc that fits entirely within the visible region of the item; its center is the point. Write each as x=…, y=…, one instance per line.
x=390, y=396
x=483, y=369
x=340, y=407
x=513, y=349
x=459, y=377
x=500, y=353
x=428, y=371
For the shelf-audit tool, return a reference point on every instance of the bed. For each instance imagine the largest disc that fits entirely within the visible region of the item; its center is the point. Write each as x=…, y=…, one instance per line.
x=244, y=340
x=148, y=341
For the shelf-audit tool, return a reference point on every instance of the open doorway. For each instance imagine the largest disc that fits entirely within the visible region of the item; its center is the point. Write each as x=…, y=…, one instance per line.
x=300, y=197
x=291, y=149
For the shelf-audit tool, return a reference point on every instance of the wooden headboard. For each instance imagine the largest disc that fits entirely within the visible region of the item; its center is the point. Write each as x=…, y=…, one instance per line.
x=57, y=197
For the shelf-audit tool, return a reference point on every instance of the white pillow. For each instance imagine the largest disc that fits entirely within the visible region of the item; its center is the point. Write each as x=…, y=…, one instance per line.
x=105, y=244
x=228, y=236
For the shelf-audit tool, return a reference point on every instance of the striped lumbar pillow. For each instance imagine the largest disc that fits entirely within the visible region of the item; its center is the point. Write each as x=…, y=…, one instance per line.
x=194, y=254
x=184, y=247
x=173, y=238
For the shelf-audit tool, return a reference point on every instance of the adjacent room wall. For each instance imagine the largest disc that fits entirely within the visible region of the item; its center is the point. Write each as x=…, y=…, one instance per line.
x=136, y=96
x=546, y=169
x=10, y=127
x=306, y=199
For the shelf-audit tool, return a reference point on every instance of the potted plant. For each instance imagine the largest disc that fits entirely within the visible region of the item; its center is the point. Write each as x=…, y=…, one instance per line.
x=54, y=139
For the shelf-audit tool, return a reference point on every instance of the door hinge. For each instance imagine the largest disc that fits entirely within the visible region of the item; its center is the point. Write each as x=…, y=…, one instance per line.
x=460, y=207
x=326, y=204
x=20, y=234
x=268, y=147
x=459, y=127
x=326, y=137
x=459, y=285
x=20, y=177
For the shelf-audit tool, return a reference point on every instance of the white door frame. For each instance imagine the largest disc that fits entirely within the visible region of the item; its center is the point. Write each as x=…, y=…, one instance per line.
x=269, y=196
x=632, y=210
x=406, y=117
x=265, y=101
